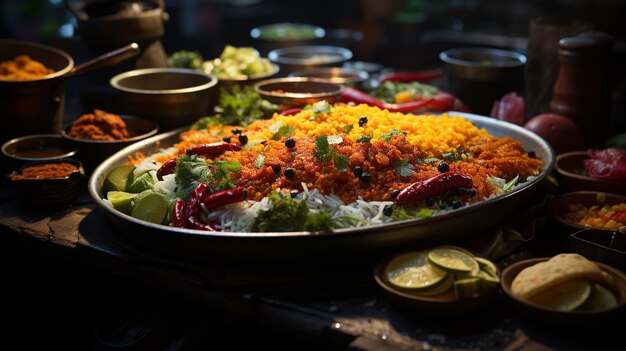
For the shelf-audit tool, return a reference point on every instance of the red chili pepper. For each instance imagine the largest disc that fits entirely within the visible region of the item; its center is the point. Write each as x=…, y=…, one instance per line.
x=291, y=111
x=212, y=150
x=411, y=76
x=442, y=101
x=224, y=197
x=178, y=214
x=433, y=187
x=166, y=168
x=191, y=213
x=357, y=96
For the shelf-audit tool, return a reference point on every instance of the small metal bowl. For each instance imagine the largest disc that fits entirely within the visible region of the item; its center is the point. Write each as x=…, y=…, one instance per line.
x=344, y=76
x=280, y=35
x=173, y=97
x=566, y=167
x=93, y=152
x=51, y=191
x=297, y=58
x=298, y=91
x=37, y=147
x=604, y=246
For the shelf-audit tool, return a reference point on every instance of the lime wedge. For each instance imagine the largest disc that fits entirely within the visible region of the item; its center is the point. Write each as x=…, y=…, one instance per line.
x=117, y=179
x=601, y=299
x=121, y=200
x=453, y=261
x=142, y=182
x=468, y=287
x=150, y=206
x=564, y=297
x=487, y=280
x=438, y=289
x=487, y=266
x=412, y=271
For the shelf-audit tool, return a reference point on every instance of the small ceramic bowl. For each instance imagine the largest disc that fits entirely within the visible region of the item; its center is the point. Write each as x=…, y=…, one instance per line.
x=569, y=168
x=560, y=318
x=441, y=305
x=51, y=191
x=604, y=246
x=559, y=205
x=298, y=91
x=93, y=152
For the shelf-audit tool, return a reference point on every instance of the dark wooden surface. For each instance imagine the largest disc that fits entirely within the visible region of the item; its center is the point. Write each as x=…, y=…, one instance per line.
x=312, y=308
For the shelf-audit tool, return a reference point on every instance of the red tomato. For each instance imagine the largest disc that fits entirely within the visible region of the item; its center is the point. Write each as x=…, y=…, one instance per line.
x=559, y=131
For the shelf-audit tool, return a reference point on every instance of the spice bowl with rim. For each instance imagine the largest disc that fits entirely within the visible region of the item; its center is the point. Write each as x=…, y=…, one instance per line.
x=570, y=175
x=559, y=206
x=48, y=186
x=298, y=91
x=93, y=152
x=34, y=148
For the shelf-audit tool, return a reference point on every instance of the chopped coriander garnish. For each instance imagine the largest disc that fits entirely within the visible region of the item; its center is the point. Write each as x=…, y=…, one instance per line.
x=404, y=168
x=364, y=138
x=260, y=160
x=347, y=128
x=284, y=131
x=387, y=136
x=324, y=152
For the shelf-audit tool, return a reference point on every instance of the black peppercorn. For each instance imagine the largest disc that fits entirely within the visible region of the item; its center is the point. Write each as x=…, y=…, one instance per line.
x=243, y=139
x=290, y=142
x=289, y=173
x=357, y=171
x=394, y=193
x=276, y=169
x=362, y=121
x=388, y=211
x=456, y=204
x=532, y=154
x=365, y=177
x=471, y=192
x=236, y=131
x=226, y=139
x=443, y=167
x=430, y=201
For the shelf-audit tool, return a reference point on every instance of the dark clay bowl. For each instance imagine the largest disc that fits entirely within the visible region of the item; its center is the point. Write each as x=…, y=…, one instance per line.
x=34, y=148
x=93, y=152
x=568, y=169
x=559, y=205
x=560, y=318
x=604, y=246
x=429, y=305
x=51, y=191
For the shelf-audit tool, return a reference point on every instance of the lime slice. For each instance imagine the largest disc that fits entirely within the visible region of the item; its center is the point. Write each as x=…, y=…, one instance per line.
x=564, y=297
x=487, y=280
x=142, y=182
x=117, y=179
x=468, y=287
x=487, y=266
x=601, y=299
x=412, y=271
x=121, y=200
x=438, y=289
x=150, y=206
x=453, y=261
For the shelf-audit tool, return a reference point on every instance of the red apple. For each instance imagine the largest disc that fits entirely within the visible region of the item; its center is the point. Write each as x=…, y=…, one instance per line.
x=559, y=131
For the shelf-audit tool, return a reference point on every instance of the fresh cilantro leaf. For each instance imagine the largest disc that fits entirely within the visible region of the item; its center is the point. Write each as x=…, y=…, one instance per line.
x=341, y=162
x=284, y=131
x=387, y=136
x=348, y=128
x=190, y=171
x=242, y=106
x=364, y=138
x=318, y=107
x=324, y=152
x=260, y=160
x=206, y=122
x=404, y=168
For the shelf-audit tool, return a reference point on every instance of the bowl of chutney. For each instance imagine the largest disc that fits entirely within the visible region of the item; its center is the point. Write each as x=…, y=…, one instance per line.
x=35, y=148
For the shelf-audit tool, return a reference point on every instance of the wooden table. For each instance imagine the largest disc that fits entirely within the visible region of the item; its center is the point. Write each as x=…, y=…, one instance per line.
x=327, y=307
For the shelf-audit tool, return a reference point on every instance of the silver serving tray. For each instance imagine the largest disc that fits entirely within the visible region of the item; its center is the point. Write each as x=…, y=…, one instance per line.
x=342, y=244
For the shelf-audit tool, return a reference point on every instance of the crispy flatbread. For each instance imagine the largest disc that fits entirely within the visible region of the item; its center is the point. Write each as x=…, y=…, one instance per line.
x=556, y=270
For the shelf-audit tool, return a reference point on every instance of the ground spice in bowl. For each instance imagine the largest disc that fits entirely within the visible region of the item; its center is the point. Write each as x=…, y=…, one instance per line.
x=46, y=171
x=99, y=125
x=23, y=68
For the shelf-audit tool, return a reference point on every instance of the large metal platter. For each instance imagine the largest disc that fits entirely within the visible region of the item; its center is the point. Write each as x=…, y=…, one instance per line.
x=302, y=247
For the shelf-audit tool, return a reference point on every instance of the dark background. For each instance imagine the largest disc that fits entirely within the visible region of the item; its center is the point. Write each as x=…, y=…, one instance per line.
x=58, y=304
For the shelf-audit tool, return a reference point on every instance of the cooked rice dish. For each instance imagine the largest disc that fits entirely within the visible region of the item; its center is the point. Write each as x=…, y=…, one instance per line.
x=358, y=165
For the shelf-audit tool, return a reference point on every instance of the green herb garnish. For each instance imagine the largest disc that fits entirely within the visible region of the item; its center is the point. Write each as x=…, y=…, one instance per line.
x=260, y=160
x=284, y=131
x=242, y=106
x=404, y=168
x=348, y=128
x=324, y=152
x=511, y=184
x=190, y=171
x=364, y=138
x=288, y=214
x=387, y=136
